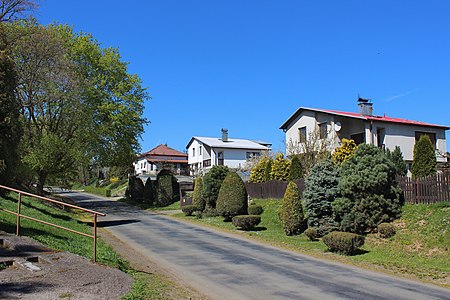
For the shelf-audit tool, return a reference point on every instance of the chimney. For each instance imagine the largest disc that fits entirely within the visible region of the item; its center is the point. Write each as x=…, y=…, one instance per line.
x=365, y=107
x=224, y=135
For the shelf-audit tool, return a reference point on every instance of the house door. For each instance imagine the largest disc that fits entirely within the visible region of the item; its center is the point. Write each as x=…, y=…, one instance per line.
x=220, y=158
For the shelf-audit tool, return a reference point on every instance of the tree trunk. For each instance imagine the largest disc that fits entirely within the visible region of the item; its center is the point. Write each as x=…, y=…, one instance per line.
x=42, y=176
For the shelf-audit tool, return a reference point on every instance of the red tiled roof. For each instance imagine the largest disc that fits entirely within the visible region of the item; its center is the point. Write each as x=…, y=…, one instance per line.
x=164, y=150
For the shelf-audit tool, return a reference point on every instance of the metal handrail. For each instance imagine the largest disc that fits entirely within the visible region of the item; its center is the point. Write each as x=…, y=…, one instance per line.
x=19, y=215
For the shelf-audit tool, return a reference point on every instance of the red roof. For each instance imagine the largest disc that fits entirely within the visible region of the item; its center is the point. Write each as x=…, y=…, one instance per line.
x=163, y=150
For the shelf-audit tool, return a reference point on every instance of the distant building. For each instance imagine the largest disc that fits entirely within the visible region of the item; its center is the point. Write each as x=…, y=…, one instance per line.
x=206, y=152
x=161, y=157
x=363, y=127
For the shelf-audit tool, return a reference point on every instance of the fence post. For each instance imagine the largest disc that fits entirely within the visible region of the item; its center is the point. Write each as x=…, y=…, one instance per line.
x=95, y=237
x=18, y=213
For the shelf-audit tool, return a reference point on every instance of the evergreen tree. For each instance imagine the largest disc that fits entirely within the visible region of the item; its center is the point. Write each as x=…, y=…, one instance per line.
x=258, y=172
x=291, y=211
x=268, y=170
x=232, y=198
x=211, y=184
x=280, y=168
x=344, y=152
x=370, y=195
x=197, y=198
x=397, y=159
x=424, y=160
x=321, y=189
x=296, y=170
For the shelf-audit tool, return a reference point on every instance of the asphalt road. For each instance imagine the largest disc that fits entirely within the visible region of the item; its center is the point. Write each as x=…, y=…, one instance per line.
x=223, y=266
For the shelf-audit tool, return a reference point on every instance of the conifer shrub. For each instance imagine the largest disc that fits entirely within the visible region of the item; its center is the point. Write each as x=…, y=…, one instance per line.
x=255, y=209
x=343, y=242
x=135, y=190
x=258, y=173
x=291, y=211
x=167, y=188
x=321, y=189
x=280, y=168
x=149, y=192
x=295, y=170
x=211, y=184
x=197, y=197
x=386, y=230
x=246, y=222
x=312, y=234
x=268, y=170
x=400, y=165
x=188, y=210
x=232, y=198
x=424, y=159
x=344, y=152
x=369, y=192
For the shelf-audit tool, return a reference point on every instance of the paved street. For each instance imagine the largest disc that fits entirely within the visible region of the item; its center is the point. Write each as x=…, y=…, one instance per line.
x=223, y=266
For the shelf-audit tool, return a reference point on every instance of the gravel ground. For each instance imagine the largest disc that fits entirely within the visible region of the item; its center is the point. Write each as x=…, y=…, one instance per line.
x=36, y=272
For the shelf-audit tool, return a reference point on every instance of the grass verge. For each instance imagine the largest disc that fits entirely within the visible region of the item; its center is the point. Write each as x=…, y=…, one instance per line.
x=419, y=250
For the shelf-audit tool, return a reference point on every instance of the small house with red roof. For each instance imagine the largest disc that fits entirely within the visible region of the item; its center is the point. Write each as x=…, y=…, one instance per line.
x=363, y=127
x=161, y=157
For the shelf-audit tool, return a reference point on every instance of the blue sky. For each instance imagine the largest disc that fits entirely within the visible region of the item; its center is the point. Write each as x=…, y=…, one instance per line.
x=248, y=65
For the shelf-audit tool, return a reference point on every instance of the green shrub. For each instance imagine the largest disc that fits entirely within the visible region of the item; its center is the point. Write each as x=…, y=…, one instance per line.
x=296, y=169
x=254, y=209
x=321, y=189
x=246, y=222
x=343, y=242
x=370, y=194
x=291, y=211
x=188, y=210
x=397, y=158
x=167, y=188
x=211, y=184
x=135, y=190
x=197, y=198
x=424, y=158
x=98, y=191
x=209, y=212
x=232, y=198
x=149, y=192
x=344, y=152
x=258, y=172
x=386, y=230
x=312, y=234
x=280, y=168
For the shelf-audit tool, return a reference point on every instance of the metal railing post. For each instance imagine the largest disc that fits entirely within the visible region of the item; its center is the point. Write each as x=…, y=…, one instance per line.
x=18, y=213
x=95, y=238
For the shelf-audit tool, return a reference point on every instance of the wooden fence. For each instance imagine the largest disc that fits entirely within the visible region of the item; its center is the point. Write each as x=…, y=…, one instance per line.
x=426, y=190
x=271, y=189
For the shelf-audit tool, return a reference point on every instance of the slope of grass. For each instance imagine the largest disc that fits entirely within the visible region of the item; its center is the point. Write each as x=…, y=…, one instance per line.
x=420, y=248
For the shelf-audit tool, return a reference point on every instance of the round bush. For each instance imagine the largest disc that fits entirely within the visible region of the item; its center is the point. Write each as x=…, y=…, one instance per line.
x=246, y=222
x=255, y=209
x=232, y=199
x=312, y=234
x=188, y=210
x=386, y=230
x=343, y=242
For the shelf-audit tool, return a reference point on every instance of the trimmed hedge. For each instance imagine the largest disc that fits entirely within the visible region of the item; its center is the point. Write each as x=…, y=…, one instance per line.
x=255, y=209
x=232, y=198
x=188, y=210
x=246, y=222
x=312, y=234
x=291, y=210
x=98, y=191
x=386, y=230
x=343, y=242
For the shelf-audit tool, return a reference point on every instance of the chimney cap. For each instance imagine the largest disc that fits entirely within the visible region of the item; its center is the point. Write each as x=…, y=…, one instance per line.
x=363, y=100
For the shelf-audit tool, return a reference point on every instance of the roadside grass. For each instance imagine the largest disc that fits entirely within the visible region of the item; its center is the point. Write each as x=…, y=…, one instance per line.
x=145, y=286
x=420, y=249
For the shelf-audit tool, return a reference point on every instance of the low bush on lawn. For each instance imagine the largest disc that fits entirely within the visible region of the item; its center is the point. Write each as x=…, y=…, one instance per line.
x=188, y=210
x=343, y=242
x=246, y=222
x=386, y=230
x=254, y=209
x=312, y=234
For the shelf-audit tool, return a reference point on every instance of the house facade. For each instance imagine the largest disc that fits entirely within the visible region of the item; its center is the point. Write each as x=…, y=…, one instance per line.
x=363, y=127
x=161, y=157
x=206, y=152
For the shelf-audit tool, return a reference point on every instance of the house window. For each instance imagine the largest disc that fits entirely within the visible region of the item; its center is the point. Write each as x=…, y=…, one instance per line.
x=193, y=151
x=323, y=132
x=199, y=150
x=431, y=135
x=302, y=135
x=253, y=154
x=359, y=138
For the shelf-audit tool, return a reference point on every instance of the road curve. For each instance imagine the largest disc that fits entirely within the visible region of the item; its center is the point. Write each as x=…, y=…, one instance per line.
x=223, y=266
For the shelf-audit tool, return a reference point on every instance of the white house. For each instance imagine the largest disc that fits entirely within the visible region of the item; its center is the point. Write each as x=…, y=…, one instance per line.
x=205, y=152
x=363, y=127
x=161, y=157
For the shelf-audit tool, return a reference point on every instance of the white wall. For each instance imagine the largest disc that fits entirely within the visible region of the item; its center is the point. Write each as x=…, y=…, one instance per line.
x=197, y=158
x=141, y=165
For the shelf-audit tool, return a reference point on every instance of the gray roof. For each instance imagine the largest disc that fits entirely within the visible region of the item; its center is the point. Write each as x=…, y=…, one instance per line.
x=231, y=144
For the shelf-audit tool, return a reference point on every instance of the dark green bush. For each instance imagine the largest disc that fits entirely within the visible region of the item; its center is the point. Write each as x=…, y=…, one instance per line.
x=168, y=190
x=246, y=222
x=98, y=191
x=386, y=230
x=424, y=157
x=211, y=184
x=232, y=198
x=291, y=211
x=254, y=209
x=197, y=197
x=188, y=210
x=135, y=190
x=295, y=170
x=312, y=234
x=209, y=212
x=343, y=242
x=149, y=192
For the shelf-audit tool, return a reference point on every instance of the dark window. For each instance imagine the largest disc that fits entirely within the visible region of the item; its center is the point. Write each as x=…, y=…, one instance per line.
x=302, y=135
x=431, y=135
x=323, y=131
x=359, y=138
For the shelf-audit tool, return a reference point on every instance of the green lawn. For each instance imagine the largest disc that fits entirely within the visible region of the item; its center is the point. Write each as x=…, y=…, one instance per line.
x=419, y=249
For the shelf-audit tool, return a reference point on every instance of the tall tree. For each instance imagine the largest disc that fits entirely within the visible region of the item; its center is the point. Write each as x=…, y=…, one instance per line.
x=424, y=157
x=397, y=158
x=11, y=10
